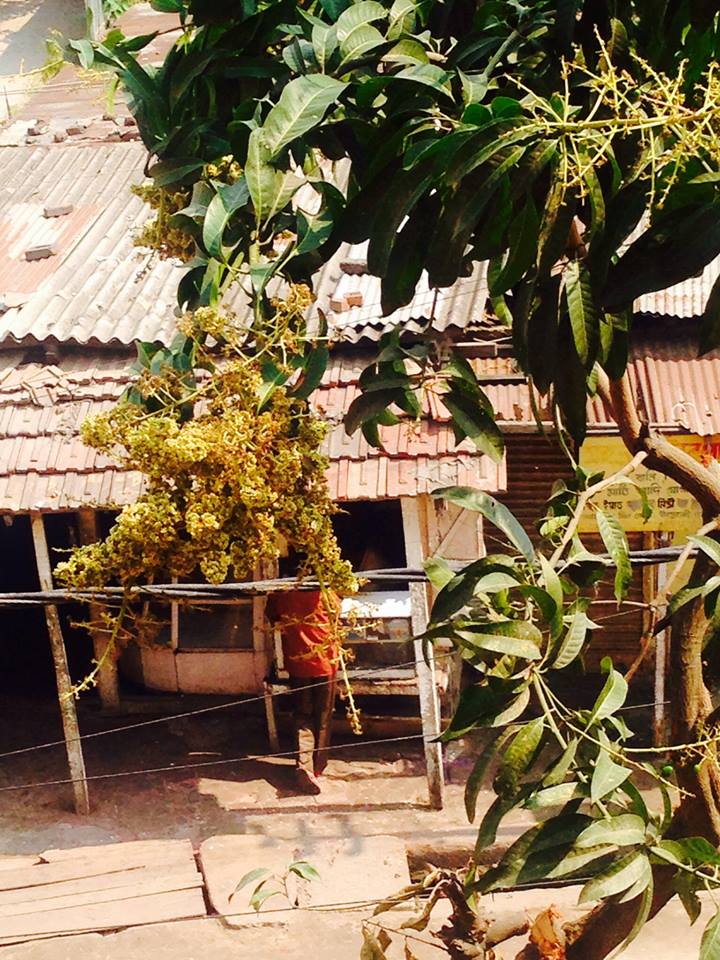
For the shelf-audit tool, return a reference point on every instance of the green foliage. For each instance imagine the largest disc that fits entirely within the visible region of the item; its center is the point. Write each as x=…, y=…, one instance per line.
x=498, y=123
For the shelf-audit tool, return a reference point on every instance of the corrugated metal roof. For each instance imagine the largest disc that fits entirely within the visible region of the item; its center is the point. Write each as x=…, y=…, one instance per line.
x=45, y=466
x=675, y=389
x=100, y=288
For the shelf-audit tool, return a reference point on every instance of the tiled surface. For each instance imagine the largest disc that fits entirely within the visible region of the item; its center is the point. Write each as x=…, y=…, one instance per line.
x=45, y=466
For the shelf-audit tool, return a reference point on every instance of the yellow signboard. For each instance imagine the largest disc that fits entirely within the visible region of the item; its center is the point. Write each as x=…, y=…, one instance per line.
x=673, y=509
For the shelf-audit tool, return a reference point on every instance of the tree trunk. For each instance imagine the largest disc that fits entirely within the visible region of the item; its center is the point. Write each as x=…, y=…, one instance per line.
x=698, y=813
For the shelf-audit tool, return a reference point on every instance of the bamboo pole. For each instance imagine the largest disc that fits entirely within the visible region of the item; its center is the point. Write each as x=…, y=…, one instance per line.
x=66, y=700
x=107, y=677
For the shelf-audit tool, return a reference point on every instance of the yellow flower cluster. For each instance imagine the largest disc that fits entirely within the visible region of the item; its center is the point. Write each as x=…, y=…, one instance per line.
x=222, y=489
x=158, y=233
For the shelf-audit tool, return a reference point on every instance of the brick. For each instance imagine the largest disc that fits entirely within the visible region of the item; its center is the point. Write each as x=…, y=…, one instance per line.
x=58, y=210
x=59, y=136
x=130, y=122
x=41, y=251
x=37, y=128
x=75, y=129
x=354, y=298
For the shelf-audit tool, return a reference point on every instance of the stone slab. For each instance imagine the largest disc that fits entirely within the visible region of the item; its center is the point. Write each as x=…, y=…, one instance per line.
x=352, y=871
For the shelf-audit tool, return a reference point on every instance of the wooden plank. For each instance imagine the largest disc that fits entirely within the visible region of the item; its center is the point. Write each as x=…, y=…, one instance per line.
x=66, y=699
x=129, y=887
x=14, y=863
x=155, y=908
x=175, y=878
x=133, y=851
x=97, y=862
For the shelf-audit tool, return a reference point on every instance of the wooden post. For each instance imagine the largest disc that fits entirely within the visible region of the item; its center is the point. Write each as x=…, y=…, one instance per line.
x=661, y=654
x=427, y=686
x=68, y=713
x=107, y=678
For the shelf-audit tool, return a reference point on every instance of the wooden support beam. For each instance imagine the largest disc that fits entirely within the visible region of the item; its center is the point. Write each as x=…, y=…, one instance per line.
x=107, y=679
x=415, y=550
x=66, y=700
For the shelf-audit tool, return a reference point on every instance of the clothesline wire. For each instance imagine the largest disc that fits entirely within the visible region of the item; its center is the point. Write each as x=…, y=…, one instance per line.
x=225, y=761
x=366, y=673
x=211, y=763
x=215, y=707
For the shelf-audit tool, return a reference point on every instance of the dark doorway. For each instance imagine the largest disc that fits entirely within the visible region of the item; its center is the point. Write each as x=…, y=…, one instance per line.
x=370, y=534
x=26, y=665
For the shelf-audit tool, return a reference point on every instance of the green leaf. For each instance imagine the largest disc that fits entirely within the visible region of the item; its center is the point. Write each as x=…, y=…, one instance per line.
x=324, y=41
x=429, y=75
x=302, y=105
x=263, y=893
x=518, y=756
x=491, y=703
x=494, y=511
x=553, y=586
x=581, y=309
x=261, y=177
x=710, y=943
x=228, y=199
x=616, y=544
x=619, y=877
x=314, y=366
x=460, y=590
x=368, y=405
x=438, y=571
x=555, y=226
x=646, y=887
x=487, y=831
x=406, y=51
x=407, y=188
x=85, y=52
x=573, y=641
x=675, y=247
x=494, y=640
x=683, y=884
x=555, y=796
x=612, y=696
x=709, y=547
x=523, y=242
x=540, y=852
x=478, y=425
x=303, y=869
x=475, y=780
x=557, y=773
x=248, y=878
x=607, y=776
x=361, y=41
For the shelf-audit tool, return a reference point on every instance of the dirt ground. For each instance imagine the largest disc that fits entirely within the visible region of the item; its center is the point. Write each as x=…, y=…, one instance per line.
x=368, y=789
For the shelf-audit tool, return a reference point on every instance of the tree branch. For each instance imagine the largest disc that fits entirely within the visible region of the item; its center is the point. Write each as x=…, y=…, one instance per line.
x=663, y=457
